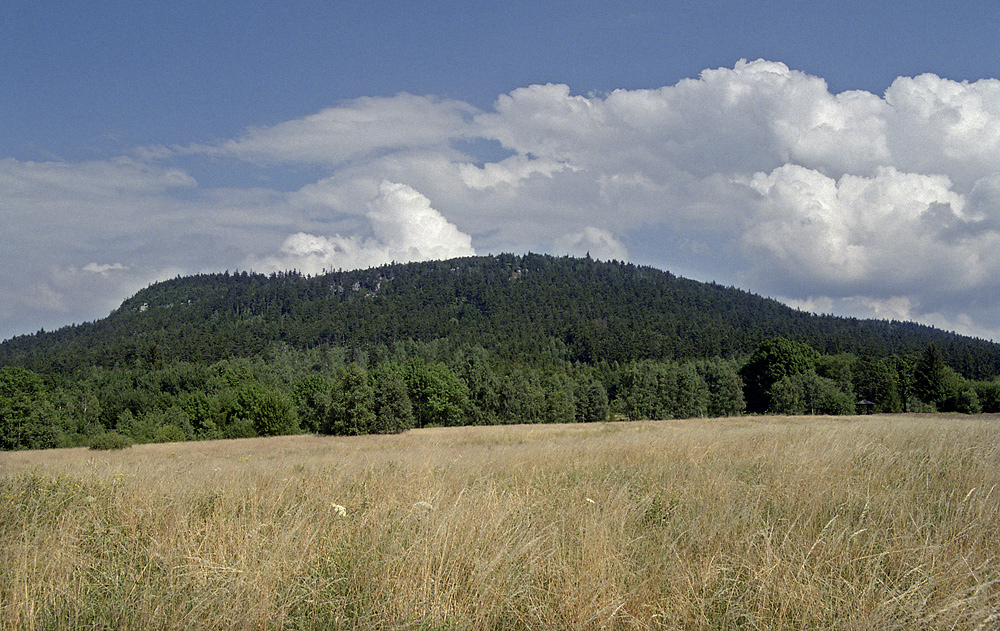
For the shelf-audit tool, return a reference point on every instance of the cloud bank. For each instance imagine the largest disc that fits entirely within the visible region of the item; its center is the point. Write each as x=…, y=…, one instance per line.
x=756, y=175
x=404, y=227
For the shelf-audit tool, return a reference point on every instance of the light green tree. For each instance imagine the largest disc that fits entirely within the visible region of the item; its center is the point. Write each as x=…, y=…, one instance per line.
x=592, y=402
x=259, y=411
x=352, y=403
x=808, y=393
x=393, y=410
x=725, y=388
x=560, y=399
x=438, y=396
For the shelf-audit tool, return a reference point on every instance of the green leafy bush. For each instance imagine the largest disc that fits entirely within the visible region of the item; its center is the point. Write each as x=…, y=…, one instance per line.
x=110, y=440
x=169, y=434
x=259, y=411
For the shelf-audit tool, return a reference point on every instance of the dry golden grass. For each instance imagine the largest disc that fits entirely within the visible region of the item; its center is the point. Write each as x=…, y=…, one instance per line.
x=754, y=523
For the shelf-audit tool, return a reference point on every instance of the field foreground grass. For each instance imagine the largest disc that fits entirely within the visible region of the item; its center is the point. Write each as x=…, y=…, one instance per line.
x=878, y=522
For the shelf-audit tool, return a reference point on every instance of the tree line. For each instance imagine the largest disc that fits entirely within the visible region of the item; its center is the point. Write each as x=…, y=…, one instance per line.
x=386, y=389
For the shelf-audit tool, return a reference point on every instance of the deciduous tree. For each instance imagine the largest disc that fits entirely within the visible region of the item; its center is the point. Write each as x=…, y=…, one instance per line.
x=352, y=405
x=393, y=410
x=771, y=362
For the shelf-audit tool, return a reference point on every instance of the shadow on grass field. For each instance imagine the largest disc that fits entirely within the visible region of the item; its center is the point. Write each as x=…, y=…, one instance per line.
x=875, y=522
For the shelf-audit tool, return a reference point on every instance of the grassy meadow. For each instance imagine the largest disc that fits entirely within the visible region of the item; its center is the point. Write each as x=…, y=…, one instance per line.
x=864, y=523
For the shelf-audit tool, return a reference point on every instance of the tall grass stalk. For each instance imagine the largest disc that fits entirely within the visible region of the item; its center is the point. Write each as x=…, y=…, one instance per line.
x=754, y=523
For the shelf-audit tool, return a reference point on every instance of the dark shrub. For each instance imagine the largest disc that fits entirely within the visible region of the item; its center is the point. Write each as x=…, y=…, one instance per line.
x=110, y=440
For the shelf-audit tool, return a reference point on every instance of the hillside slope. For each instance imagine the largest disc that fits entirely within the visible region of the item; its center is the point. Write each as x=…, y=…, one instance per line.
x=529, y=309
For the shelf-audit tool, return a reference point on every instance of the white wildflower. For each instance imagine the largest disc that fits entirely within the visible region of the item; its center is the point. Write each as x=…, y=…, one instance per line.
x=339, y=510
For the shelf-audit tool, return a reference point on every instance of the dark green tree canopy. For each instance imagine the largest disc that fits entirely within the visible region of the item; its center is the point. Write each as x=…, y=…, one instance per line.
x=531, y=309
x=930, y=377
x=772, y=361
x=24, y=410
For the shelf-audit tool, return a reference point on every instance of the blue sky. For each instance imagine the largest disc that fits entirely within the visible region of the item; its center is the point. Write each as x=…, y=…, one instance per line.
x=848, y=165
x=95, y=78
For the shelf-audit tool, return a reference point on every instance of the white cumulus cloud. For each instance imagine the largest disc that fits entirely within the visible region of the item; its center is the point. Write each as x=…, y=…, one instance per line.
x=850, y=233
x=404, y=227
x=595, y=242
x=755, y=175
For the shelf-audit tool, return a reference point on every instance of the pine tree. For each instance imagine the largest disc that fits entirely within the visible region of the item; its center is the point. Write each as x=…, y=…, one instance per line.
x=930, y=377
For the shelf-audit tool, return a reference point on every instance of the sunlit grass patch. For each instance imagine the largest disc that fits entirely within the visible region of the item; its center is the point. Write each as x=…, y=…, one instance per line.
x=756, y=523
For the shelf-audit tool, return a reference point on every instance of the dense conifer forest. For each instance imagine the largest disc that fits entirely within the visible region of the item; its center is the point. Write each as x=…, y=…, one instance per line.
x=480, y=340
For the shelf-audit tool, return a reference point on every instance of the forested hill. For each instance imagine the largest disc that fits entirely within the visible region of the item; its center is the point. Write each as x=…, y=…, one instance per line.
x=530, y=310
